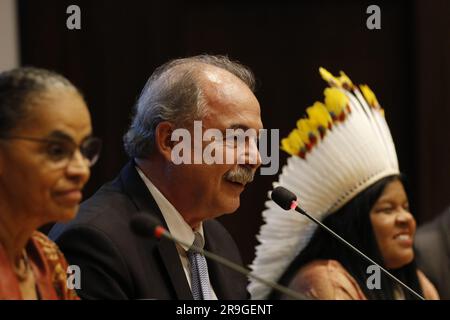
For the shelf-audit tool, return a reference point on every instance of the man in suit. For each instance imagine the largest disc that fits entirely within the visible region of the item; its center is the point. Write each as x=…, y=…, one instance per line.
x=186, y=197
x=432, y=245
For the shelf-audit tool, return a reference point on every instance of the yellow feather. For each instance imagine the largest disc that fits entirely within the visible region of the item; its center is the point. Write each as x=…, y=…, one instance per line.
x=345, y=81
x=369, y=96
x=327, y=76
x=318, y=115
x=335, y=100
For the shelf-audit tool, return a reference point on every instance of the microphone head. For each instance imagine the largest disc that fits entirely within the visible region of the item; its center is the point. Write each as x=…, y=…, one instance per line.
x=144, y=224
x=283, y=197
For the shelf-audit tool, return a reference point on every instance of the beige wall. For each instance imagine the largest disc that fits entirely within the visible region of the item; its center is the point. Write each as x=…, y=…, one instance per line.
x=9, y=47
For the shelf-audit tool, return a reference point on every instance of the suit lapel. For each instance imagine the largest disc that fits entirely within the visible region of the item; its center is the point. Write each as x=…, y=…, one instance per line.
x=171, y=260
x=142, y=198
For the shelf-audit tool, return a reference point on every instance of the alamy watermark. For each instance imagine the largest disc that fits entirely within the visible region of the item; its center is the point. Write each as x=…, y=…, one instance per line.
x=73, y=22
x=73, y=277
x=374, y=20
x=374, y=280
x=233, y=146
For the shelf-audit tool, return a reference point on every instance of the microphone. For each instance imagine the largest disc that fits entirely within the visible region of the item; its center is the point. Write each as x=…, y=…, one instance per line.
x=288, y=201
x=146, y=225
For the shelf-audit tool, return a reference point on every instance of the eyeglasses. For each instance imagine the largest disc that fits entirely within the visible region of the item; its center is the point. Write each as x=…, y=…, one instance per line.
x=61, y=151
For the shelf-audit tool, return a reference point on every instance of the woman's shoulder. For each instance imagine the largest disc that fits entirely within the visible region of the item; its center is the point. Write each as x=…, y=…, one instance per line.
x=48, y=252
x=43, y=241
x=326, y=280
x=52, y=263
x=320, y=269
x=429, y=290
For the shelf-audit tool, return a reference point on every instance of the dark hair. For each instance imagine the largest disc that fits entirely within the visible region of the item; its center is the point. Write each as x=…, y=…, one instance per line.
x=173, y=93
x=20, y=86
x=353, y=223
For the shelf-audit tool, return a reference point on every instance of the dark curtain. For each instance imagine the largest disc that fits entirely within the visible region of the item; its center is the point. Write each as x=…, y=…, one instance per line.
x=406, y=63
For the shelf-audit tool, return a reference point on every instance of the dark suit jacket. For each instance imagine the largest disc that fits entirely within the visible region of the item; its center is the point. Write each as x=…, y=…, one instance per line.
x=117, y=264
x=433, y=252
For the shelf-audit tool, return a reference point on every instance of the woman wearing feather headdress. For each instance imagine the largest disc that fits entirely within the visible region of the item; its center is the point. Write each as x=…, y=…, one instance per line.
x=344, y=170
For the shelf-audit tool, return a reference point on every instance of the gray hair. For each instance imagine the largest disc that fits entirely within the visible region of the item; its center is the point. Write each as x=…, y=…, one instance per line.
x=20, y=87
x=173, y=93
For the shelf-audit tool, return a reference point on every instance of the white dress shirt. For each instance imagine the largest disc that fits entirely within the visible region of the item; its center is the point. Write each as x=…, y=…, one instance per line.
x=178, y=227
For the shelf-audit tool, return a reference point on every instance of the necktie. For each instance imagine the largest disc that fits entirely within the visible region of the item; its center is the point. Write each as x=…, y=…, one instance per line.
x=199, y=271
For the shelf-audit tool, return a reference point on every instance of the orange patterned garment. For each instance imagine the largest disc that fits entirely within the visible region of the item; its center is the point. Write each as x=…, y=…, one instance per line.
x=328, y=280
x=49, y=269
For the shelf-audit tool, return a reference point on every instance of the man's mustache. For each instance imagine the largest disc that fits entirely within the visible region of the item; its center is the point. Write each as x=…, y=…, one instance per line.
x=240, y=174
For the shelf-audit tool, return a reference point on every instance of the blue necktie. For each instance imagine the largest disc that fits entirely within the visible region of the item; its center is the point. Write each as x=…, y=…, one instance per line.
x=199, y=272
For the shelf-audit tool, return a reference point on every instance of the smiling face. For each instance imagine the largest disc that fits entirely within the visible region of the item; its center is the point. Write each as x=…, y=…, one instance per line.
x=32, y=180
x=394, y=226
x=230, y=104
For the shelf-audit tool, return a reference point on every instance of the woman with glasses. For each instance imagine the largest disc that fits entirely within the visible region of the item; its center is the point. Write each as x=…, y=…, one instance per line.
x=46, y=151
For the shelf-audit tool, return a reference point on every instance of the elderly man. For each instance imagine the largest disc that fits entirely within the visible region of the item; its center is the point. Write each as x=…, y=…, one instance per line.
x=186, y=197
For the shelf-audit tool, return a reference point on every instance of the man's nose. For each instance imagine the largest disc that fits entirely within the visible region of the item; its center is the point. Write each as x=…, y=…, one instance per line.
x=253, y=157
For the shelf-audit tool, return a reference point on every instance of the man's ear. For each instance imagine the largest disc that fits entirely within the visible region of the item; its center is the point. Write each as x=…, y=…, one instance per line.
x=163, y=142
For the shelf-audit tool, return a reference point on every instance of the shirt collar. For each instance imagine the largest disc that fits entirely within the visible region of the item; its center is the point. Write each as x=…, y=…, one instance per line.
x=176, y=224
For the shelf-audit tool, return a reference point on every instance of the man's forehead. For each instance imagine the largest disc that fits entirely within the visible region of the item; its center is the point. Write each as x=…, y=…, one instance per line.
x=230, y=120
x=234, y=115
x=229, y=101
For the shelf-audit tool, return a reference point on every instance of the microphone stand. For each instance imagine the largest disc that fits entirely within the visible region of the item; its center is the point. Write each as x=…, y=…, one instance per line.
x=160, y=231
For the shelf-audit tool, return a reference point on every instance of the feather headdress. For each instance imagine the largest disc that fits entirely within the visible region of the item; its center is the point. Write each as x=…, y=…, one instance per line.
x=342, y=147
